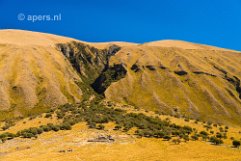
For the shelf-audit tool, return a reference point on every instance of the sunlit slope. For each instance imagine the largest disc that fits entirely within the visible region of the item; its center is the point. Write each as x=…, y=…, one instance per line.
x=201, y=82
x=40, y=70
x=33, y=73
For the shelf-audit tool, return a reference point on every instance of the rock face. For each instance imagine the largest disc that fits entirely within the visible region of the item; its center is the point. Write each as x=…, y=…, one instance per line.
x=40, y=71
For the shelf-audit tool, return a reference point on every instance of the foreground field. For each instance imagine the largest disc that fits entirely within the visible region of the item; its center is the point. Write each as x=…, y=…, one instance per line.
x=74, y=145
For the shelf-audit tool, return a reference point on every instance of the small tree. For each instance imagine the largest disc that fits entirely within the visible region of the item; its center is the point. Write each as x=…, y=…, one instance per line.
x=215, y=140
x=167, y=137
x=236, y=143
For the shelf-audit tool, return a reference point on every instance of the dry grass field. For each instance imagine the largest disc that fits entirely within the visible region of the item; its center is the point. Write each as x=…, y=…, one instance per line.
x=73, y=145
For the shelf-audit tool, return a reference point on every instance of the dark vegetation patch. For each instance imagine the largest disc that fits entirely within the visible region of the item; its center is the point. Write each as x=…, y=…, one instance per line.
x=8, y=123
x=162, y=67
x=204, y=73
x=150, y=67
x=220, y=69
x=135, y=68
x=181, y=72
x=96, y=115
x=108, y=76
x=93, y=66
x=235, y=81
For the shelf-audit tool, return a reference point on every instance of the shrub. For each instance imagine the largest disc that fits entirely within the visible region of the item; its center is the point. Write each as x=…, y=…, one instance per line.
x=167, y=137
x=204, y=133
x=100, y=127
x=45, y=128
x=56, y=128
x=215, y=140
x=219, y=135
x=65, y=126
x=194, y=137
x=8, y=124
x=60, y=115
x=236, y=143
x=185, y=138
x=7, y=136
x=221, y=129
x=117, y=127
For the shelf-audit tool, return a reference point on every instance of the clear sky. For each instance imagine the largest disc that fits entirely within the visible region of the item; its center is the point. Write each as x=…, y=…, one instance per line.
x=213, y=22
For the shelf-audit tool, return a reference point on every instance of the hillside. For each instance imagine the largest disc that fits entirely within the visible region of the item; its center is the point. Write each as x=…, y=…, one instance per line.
x=199, y=83
x=39, y=71
x=34, y=76
x=62, y=98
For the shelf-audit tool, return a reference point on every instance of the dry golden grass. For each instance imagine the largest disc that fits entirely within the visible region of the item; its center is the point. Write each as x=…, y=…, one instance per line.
x=33, y=74
x=199, y=95
x=50, y=146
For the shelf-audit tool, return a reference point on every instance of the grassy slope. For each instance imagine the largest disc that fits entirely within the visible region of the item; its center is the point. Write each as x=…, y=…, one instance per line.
x=33, y=74
x=194, y=95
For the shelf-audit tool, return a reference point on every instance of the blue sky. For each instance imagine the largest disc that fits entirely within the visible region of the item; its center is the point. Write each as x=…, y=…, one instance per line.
x=213, y=22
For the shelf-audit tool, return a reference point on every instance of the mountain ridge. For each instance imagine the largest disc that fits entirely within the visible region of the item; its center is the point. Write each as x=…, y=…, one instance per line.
x=169, y=77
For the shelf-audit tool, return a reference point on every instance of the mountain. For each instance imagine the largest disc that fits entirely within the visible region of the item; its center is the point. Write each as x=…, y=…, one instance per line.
x=40, y=71
x=33, y=74
x=180, y=78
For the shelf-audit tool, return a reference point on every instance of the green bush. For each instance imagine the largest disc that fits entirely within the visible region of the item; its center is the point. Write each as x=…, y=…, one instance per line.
x=56, y=128
x=167, y=137
x=100, y=127
x=203, y=133
x=194, y=137
x=236, y=143
x=215, y=140
x=65, y=126
x=8, y=124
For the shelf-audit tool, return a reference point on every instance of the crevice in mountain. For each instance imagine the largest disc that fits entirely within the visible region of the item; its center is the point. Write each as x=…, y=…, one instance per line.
x=204, y=73
x=181, y=72
x=162, y=67
x=92, y=64
x=220, y=69
x=109, y=75
x=235, y=81
x=150, y=67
